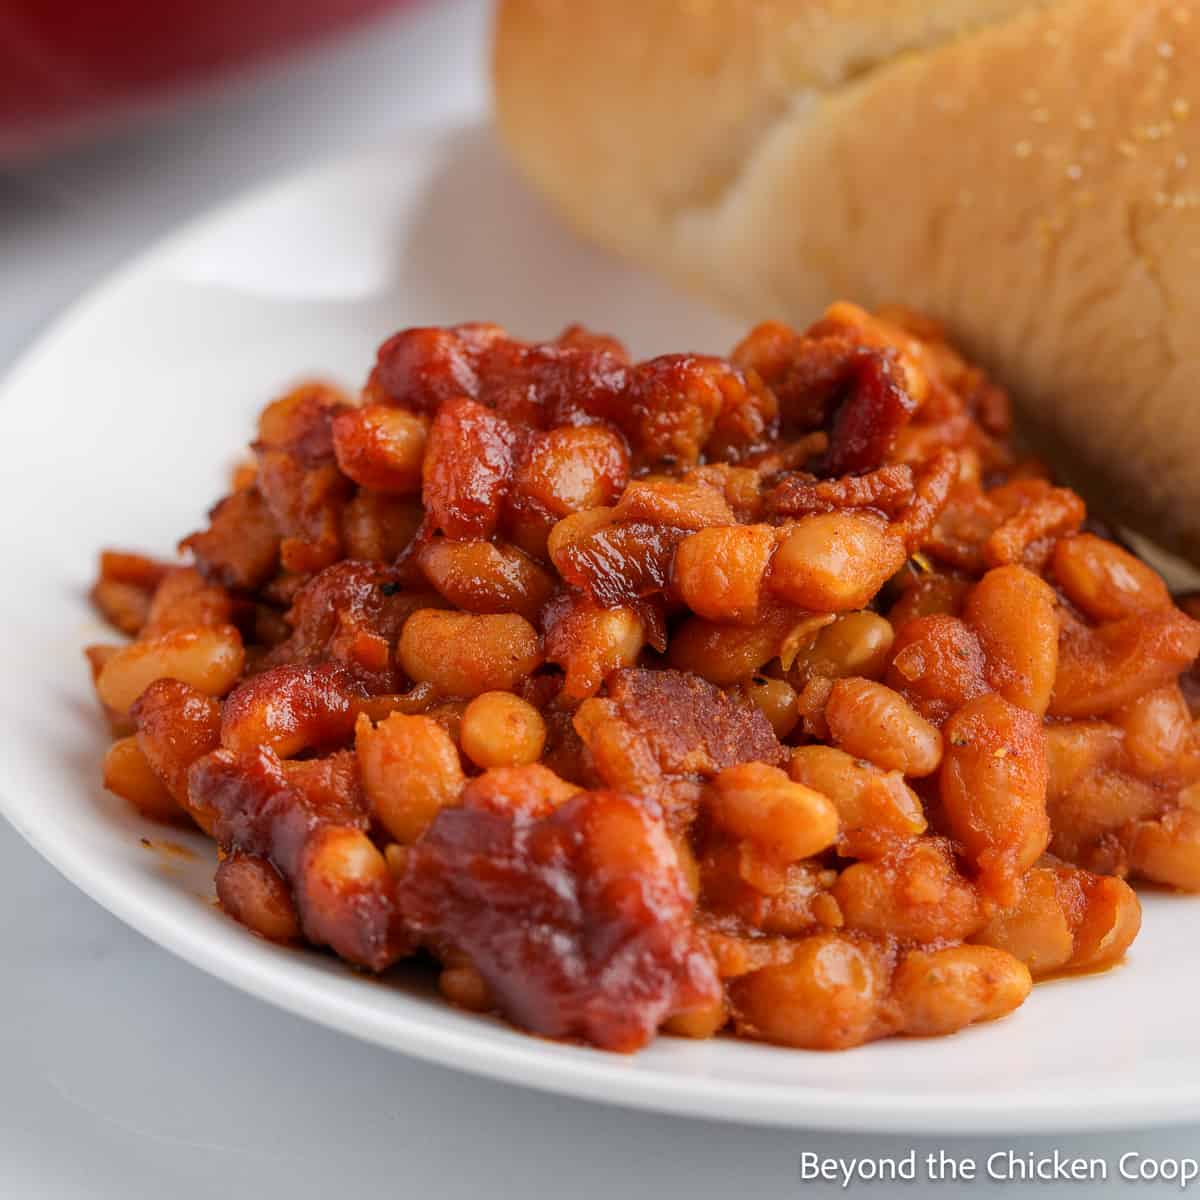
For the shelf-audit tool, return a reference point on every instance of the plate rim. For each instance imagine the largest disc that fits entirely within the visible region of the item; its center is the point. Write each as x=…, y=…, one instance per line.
x=516, y=1058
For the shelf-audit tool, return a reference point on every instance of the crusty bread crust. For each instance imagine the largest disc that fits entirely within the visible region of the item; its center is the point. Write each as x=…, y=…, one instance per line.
x=1027, y=171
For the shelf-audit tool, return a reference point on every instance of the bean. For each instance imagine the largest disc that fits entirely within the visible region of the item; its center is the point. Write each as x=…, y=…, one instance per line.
x=1111, y=917
x=727, y=654
x=210, y=659
x=914, y=893
x=1086, y=818
x=1168, y=850
x=873, y=722
x=485, y=577
x=937, y=665
x=253, y=892
x=346, y=897
x=1104, y=581
x=463, y=986
x=1101, y=669
x=176, y=725
x=502, y=730
x=718, y=572
x=532, y=790
x=381, y=447
x=930, y=595
x=377, y=528
x=940, y=991
x=410, y=770
x=129, y=775
x=123, y=605
x=776, y=700
x=993, y=790
x=761, y=803
x=828, y=997
x=590, y=642
x=699, y=1023
x=1158, y=730
x=573, y=469
x=834, y=562
x=855, y=643
x=1066, y=919
x=463, y=654
x=185, y=598
x=1013, y=613
x=291, y=709
x=865, y=796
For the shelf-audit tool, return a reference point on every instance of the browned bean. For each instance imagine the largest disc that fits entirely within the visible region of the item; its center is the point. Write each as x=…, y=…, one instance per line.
x=123, y=605
x=208, y=658
x=855, y=643
x=761, y=803
x=699, y=1023
x=718, y=572
x=128, y=774
x=1066, y=919
x=410, y=770
x=828, y=997
x=502, y=730
x=176, y=725
x=1167, y=850
x=292, y=708
x=776, y=700
x=914, y=893
x=871, y=721
x=573, y=469
x=186, y=598
x=865, y=796
x=253, y=892
x=463, y=654
x=1158, y=730
x=463, y=986
x=726, y=654
x=381, y=447
x=940, y=991
x=1105, y=581
x=485, y=577
x=993, y=789
x=1101, y=669
x=834, y=562
x=590, y=642
x=1013, y=613
x=937, y=665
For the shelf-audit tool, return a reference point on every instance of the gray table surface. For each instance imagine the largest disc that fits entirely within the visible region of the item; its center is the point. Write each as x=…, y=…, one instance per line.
x=125, y=1073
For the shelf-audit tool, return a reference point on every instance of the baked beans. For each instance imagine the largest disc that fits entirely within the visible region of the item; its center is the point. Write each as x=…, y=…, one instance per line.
x=775, y=694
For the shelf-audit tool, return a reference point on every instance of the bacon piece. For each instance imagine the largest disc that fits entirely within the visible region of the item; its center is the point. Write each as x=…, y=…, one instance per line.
x=865, y=425
x=660, y=733
x=887, y=489
x=299, y=477
x=580, y=921
x=352, y=613
x=420, y=368
x=621, y=563
x=468, y=469
x=240, y=547
x=309, y=820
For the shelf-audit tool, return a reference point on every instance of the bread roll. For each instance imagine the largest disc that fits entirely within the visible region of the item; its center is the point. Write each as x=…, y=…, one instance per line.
x=1026, y=170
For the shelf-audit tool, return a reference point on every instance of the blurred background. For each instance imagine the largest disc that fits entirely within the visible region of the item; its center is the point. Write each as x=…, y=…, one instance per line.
x=67, y=69
x=121, y=118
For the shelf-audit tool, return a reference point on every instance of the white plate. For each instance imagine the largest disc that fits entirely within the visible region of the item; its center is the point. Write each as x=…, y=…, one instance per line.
x=119, y=428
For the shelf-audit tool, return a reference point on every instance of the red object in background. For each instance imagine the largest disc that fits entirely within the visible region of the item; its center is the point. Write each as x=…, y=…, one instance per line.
x=69, y=65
